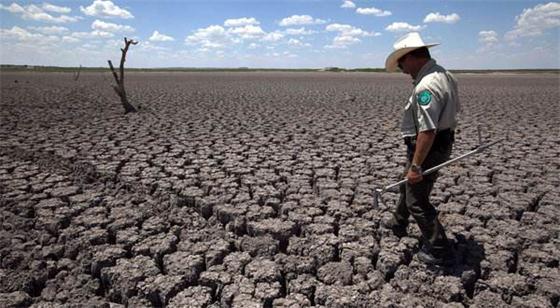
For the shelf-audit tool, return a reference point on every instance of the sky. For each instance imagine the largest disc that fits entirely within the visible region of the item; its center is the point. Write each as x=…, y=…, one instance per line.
x=505, y=34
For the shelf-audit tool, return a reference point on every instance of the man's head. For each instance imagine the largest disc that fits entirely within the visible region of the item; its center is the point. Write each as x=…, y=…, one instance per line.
x=410, y=51
x=412, y=62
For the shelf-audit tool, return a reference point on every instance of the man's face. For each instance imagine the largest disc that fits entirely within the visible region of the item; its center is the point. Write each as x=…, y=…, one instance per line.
x=404, y=63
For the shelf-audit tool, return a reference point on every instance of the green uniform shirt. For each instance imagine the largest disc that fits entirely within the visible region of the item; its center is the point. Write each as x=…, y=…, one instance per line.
x=434, y=102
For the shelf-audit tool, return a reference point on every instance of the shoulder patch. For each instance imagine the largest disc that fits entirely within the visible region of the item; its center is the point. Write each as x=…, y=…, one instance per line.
x=424, y=98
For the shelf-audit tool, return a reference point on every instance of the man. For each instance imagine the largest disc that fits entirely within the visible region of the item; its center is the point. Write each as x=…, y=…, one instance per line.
x=428, y=130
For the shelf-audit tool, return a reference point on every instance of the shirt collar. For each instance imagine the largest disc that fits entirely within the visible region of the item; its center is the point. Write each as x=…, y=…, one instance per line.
x=424, y=70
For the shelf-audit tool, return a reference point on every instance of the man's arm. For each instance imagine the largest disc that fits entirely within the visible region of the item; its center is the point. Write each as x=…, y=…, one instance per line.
x=424, y=141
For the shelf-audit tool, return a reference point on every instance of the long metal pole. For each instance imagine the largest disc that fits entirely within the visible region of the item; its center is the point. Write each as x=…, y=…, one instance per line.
x=436, y=168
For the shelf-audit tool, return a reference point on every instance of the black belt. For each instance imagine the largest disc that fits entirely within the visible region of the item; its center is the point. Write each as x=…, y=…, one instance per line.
x=443, y=137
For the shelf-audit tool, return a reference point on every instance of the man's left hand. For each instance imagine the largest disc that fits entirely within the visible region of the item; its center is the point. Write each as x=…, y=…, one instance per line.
x=413, y=177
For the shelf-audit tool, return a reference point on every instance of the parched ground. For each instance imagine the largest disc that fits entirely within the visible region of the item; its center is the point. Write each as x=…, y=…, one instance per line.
x=256, y=189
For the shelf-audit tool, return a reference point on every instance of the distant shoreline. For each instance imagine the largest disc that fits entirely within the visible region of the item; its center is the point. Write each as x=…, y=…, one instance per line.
x=35, y=68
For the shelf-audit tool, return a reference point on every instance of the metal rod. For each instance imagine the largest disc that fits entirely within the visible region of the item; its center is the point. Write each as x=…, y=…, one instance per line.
x=478, y=149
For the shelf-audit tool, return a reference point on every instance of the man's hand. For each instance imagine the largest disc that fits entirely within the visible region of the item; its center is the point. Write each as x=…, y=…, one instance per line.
x=424, y=141
x=413, y=177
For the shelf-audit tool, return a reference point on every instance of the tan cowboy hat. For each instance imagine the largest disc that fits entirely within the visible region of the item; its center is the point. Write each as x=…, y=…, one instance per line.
x=402, y=46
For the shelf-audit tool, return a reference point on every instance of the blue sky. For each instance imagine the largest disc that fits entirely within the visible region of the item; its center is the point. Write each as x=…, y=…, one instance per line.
x=278, y=33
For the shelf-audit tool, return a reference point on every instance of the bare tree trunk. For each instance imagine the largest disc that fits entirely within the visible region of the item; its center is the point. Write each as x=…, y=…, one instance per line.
x=77, y=75
x=119, y=88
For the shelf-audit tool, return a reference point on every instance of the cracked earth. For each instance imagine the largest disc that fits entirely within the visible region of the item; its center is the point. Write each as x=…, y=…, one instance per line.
x=256, y=190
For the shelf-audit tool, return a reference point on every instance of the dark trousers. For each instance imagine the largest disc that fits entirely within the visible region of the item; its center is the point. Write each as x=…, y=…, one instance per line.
x=415, y=198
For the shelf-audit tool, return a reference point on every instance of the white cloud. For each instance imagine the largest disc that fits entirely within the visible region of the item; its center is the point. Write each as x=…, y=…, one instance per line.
x=299, y=31
x=437, y=17
x=348, y=5
x=69, y=39
x=148, y=46
x=110, y=27
x=33, y=12
x=348, y=30
x=23, y=36
x=298, y=43
x=343, y=42
x=211, y=37
x=159, y=37
x=347, y=35
x=535, y=21
x=247, y=32
x=285, y=54
x=56, y=9
x=273, y=36
x=488, y=37
x=216, y=36
x=373, y=11
x=403, y=27
x=13, y=8
x=240, y=22
x=50, y=30
x=296, y=20
x=254, y=46
x=101, y=34
x=18, y=34
x=105, y=9
x=95, y=34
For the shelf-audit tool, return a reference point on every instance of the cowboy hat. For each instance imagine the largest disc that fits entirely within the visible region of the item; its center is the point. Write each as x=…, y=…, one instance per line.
x=402, y=46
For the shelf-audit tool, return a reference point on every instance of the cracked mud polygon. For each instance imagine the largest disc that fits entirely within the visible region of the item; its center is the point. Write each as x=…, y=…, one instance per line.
x=256, y=190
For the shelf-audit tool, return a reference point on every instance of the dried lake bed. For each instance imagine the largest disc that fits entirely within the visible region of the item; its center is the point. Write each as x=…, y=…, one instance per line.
x=256, y=189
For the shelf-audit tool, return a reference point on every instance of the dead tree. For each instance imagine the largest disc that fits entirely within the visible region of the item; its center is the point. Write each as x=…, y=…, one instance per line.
x=119, y=88
x=77, y=74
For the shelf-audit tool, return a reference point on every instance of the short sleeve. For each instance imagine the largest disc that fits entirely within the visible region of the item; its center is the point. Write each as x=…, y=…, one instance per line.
x=429, y=106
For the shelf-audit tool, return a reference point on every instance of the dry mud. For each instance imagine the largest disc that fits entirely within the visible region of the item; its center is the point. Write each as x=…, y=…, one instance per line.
x=256, y=189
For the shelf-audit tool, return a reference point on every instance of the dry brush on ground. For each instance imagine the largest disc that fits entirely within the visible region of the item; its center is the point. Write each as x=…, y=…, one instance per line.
x=256, y=189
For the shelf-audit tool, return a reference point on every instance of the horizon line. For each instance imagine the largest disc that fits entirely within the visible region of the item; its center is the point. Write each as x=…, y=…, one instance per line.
x=247, y=68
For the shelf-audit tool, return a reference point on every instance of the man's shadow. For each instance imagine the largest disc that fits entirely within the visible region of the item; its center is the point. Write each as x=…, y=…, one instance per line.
x=466, y=266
